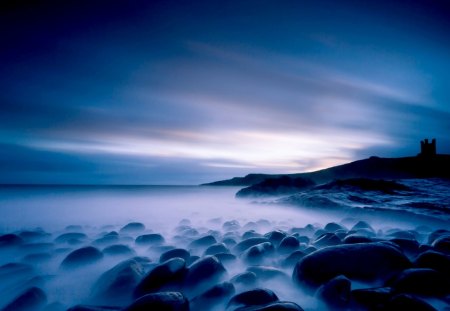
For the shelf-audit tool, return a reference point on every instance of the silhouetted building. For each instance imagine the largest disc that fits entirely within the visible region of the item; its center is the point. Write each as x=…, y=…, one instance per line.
x=427, y=149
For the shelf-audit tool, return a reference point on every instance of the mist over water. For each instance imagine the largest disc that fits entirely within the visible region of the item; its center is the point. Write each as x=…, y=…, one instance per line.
x=95, y=211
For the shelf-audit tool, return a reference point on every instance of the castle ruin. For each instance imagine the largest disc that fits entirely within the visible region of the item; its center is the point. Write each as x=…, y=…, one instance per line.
x=427, y=149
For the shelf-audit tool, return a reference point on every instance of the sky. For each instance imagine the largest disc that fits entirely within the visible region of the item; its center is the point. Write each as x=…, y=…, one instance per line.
x=187, y=92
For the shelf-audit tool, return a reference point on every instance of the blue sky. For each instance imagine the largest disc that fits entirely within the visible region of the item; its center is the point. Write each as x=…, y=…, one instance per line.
x=185, y=92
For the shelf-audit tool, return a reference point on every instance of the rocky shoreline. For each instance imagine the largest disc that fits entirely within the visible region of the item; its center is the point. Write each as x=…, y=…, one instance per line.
x=227, y=265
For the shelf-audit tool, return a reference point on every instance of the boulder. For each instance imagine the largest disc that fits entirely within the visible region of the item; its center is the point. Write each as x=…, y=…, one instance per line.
x=333, y=227
x=421, y=281
x=254, y=297
x=81, y=257
x=408, y=246
x=442, y=244
x=93, y=308
x=168, y=275
x=288, y=245
x=10, y=239
x=291, y=260
x=327, y=239
x=268, y=273
x=71, y=237
x=216, y=249
x=246, y=244
x=275, y=236
x=434, y=260
x=117, y=284
x=119, y=250
x=368, y=262
x=150, y=239
x=356, y=238
x=176, y=252
x=32, y=299
x=213, y=296
x=372, y=298
x=133, y=227
x=257, y=254
x=162, y=301
x=335, y=294
x=203, y=242
x=231, y=225
x=245, y=278
x=205, y=271
x=275, y=306
x=407, y=302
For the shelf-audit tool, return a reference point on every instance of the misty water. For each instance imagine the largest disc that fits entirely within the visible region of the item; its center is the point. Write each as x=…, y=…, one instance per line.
x=96, y=211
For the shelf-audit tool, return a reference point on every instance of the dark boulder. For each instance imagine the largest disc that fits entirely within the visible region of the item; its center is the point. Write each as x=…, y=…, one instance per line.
x=356, y=238
x=352, y=261
x=119, y=250
x=275, y=306
x=226, y=258
x=421, y=281
x=434, y=260
x=81, y=257
x=327, y=239
x=268, y=273
x=246, y=244
x=71, y=237
x=372, y=298
x=10, y=239
x=32, y=299
x=176, y=252
x=162, y=301
x=442, y=244
x=203, y=242
x=150, y=239
x=245, y=278
x=333, y=227
x=291, y=260
x=212, y=297
x=250, y=234
x=133, y=227
x=231, y=225
x=166, y=276
x=407, y=302
x=275, y=236
x=335, y=294
x=408, y=246
x=216, y=249
x=93, y=308
x=362, y=225
x=437, y=234
x=205, y=271
x=288, y=245
x=254, y=297
x=257, y=254
x=118, y=283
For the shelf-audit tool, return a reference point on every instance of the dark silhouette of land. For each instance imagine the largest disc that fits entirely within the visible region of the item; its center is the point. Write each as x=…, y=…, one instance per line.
x=427, y=164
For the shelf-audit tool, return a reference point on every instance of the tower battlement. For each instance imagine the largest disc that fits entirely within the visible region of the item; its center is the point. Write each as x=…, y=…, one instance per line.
x=427, y=149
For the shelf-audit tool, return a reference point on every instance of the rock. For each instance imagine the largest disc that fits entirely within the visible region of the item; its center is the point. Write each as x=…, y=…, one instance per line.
x=291, y=260
x=117, y=284
x=335, y=294
x=15, y=270
x=32, y=299
x=216, y=249
x=409, y=247
x=162, y=301
x=34, y=235
x=109, y=238
x=254, y=297
x=168, y=275
x=257, y=254
x=288, y=245
x=268, y=273
x=133, y=227
x=442, y=244
x=231, y=225
x=246, y=244
x=213, y=296
x=352, y=261
x=71, y=237
x=355, y=238
x=205, y=271
x=93, y=308
x=119, y=250
x=407, y=302
x=275, y=306
x=150, y=239
x=203, y=242
x=229, y=242
x=372, y=298
x=436, y=234
x=250, y=234
x=275, y=236
x=333, y=227
x=9, y=240
x=176, y=252
x=362, y=225
x=82, y=256
x=421, y=281
x=246, y=279
x=225, y=258
x=434, y=260
x=327, y=239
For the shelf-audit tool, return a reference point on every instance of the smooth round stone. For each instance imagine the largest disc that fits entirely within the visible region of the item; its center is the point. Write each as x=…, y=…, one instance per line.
x=275, y=236
x=335, y=294
x=119, y=250
x=117, y=284
x=268, y=273
x=203, y=242
x=216, y=249
x=92, y=308
x=15, y=269
x=421, y=281
x=246, y=244
x=362, y=225
x=81, y=257
x=333, y=227
x=245, y=278
x=231, y=225
x=352, y=261
x=372, y=298
x=254, y=297
x=250, y=234
x=176, y=252
x=205, y=271
x=275, y=306
x=229, y=242
x=327, y=239
x=442, y=244
x=436, y=234
x=292, y=259
x=150, y=239
x=434, y=260
x=400, y=234
x=213, y=296
x=407, y=302
x=288, y=245
x=34, y=235
x=71, y=237
x=258, y=253
x=133, y=227
x=355, y=238
x=409, y=247
x=162, y=301
x=226, y=258
x=168, y=275
x=32, y=299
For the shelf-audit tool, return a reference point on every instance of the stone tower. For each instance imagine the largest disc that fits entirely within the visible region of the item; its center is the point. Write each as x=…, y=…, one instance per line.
x=427, y=149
